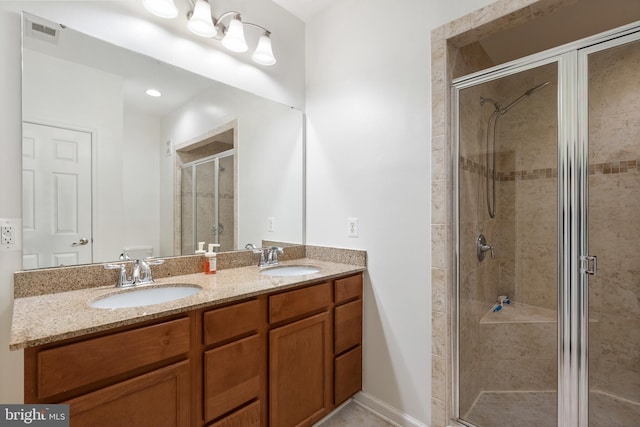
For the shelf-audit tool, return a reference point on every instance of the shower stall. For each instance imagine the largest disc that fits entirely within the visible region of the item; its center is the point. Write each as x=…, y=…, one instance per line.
x=208, y=202
x=547, y=236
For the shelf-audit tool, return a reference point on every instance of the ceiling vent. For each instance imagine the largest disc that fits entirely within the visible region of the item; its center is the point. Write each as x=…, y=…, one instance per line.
x=41, y=31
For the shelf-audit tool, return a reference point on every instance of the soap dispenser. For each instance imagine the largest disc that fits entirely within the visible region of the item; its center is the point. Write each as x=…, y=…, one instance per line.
x=211, y=259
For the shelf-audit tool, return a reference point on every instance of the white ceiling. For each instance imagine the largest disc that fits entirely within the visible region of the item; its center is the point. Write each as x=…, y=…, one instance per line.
x=303, y=9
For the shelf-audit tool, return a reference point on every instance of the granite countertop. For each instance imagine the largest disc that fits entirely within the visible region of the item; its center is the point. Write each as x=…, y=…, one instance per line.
x=53, y=317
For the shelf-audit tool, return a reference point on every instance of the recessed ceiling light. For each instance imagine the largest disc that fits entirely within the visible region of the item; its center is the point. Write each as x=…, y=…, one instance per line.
x=153, y=92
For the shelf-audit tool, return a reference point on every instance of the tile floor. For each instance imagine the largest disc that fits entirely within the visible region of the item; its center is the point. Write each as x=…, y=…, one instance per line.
x=538, y=409
x=353, y=415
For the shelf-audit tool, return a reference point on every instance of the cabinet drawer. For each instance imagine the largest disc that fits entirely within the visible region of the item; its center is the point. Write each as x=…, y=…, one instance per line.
x=230, y=322
x=156, y=399
x=348, y=326
x=249, y=416
x=231, y=376
x=348, y=288
x=74, y=365
x=299, y=302
x=348, y=375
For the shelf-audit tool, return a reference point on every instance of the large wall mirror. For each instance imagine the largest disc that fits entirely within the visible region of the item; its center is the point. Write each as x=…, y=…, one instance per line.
x=109, y=169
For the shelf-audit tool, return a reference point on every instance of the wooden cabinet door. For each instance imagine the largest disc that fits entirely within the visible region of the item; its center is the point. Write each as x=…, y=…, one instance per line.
x=300, y=372
x=160, y=398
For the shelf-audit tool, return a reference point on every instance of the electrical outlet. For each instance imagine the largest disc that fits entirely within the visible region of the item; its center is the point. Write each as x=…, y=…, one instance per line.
x=271, y=223
x=10, y=234
x=352, y=227
x=7, y=234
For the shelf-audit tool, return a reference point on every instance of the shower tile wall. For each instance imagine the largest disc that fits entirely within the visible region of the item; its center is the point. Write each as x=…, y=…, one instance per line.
x=186, y=211
x=205, y=202
x=478, y=287
x=528, y=208
x=527, y=242
x=614, y=222
x=226, y=203
x=509, y=356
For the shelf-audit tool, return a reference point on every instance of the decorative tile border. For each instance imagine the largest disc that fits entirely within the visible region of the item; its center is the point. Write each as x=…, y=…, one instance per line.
x=478, y=169
x=607, y=168
x=614, y=167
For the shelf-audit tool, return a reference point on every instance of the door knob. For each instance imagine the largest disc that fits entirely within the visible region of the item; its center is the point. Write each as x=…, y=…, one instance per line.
x=82, y=242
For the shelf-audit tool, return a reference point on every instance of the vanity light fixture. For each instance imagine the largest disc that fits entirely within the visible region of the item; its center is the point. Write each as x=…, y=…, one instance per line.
x=263, y=54
x=234, y=36
x=201, y=22
x=162, y=8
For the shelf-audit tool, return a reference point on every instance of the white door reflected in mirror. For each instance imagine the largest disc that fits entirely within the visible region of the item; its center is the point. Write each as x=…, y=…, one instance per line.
x=56, y=196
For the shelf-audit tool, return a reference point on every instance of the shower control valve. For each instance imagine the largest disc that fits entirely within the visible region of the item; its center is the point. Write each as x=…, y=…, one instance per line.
x=482, y=247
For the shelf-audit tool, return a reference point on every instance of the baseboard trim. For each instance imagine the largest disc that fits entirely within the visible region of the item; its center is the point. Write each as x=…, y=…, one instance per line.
x=386, y=411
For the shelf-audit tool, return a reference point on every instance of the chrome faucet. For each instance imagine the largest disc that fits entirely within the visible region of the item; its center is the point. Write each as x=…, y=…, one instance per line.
x=141, y=274
x=257, y=250
x=144, y=274
x=272, y=256
x=268, y=256
x=123, y=281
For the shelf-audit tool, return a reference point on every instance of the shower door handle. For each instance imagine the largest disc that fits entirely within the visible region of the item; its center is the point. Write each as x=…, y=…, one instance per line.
x=591, y=266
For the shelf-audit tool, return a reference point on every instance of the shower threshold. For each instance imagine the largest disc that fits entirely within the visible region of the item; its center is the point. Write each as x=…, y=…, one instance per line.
x=539, y=409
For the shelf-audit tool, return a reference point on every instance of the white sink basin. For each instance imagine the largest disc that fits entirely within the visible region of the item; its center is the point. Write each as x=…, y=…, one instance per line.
x=290, y=270
x=141, y=297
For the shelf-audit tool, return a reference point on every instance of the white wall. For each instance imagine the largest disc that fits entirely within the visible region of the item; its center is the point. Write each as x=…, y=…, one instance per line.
x=114, y=22
x=368, y=106
x=11, y=367
x=141, y=181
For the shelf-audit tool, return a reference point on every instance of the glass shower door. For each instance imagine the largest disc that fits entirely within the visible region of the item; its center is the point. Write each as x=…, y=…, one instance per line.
x=613, y=130
x=226, y=203
x=208, y=203
x=508, y=249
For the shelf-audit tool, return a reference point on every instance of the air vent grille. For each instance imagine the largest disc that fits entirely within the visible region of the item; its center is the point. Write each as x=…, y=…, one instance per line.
x=43, y=29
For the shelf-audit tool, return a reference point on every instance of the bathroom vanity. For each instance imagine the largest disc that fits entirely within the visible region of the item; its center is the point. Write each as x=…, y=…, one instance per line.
x=248, y=350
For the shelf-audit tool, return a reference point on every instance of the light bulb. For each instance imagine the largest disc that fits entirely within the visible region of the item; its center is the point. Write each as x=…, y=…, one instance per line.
x=263, y=54
x=200, y=22
x=161, y=8
x=234, y=38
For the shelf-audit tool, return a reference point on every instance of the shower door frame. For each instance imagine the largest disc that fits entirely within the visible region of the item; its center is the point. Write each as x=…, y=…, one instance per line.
x=573, y=175
x=215, y=159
